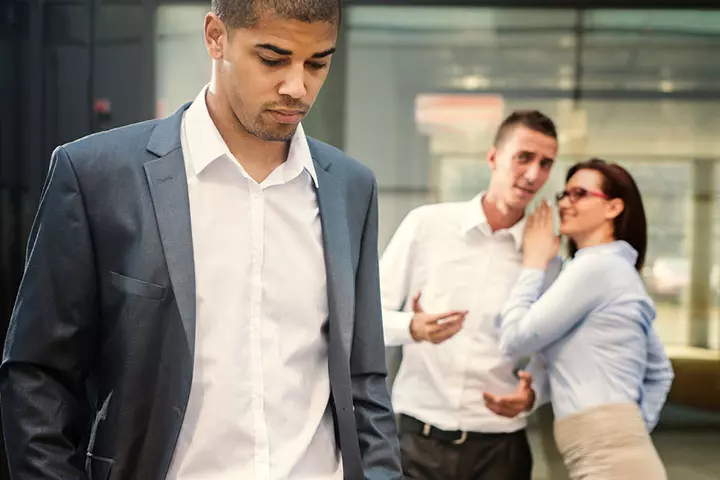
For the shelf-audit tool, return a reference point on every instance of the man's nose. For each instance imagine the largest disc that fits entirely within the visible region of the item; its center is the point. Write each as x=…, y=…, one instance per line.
x=532, y=173
x=293, y=84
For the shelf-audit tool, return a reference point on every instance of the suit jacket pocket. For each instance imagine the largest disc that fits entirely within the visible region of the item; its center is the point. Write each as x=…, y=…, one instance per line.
x=98, y=468
x=138, y=287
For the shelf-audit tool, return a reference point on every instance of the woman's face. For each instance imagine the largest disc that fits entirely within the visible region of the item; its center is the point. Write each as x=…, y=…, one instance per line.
x=583, y=206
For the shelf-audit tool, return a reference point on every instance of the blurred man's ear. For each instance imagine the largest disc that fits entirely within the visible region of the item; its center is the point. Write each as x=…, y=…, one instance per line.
x=492, y=157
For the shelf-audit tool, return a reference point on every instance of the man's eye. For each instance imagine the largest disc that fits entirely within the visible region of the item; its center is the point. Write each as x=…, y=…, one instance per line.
x=270, y=63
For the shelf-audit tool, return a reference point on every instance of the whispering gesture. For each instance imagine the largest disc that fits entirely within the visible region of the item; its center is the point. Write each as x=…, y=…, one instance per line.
x=540, y=244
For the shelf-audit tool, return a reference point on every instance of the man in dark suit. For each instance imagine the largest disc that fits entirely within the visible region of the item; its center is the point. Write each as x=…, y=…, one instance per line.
x=201, y=299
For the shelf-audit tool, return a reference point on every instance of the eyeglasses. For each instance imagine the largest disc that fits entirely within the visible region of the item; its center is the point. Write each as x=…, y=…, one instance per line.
x=575, y=194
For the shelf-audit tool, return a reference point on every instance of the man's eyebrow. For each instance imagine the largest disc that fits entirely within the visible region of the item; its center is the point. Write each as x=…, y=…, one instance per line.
x=274, y=48
x=326, y=53
x=533, y=153
x=282, y=51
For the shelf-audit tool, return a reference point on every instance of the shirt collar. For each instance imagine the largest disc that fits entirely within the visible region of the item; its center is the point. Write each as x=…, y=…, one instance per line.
x=618, y=247
x=207, y=145
x=299, y=156
x=475, y=218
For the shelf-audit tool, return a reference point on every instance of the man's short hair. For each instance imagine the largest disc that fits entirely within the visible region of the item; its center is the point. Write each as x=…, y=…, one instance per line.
x=532, y=119
x=246, y=13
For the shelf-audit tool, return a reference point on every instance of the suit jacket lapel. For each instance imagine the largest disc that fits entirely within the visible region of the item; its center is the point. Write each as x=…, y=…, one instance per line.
x=336, y=242
x=168, y=187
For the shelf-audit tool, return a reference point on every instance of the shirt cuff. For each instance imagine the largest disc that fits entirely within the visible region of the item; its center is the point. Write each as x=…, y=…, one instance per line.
x=397, y=328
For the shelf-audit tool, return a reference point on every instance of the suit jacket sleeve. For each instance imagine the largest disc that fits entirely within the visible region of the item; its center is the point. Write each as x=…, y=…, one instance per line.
x=377, y=430
x=49, y=345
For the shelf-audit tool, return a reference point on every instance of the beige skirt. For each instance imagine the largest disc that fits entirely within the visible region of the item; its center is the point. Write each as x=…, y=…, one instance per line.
x=609, y=442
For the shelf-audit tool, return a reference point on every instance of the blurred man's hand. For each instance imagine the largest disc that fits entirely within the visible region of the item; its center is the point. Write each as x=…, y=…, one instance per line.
x=434, y=327
x=511, y=406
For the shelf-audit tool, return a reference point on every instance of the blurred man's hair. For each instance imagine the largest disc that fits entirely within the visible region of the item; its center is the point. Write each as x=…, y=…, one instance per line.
x=246, y=13
x=531, y=119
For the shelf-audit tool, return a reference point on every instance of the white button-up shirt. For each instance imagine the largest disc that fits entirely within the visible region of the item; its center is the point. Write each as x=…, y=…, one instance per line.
x=259, y=402
x=449, y=253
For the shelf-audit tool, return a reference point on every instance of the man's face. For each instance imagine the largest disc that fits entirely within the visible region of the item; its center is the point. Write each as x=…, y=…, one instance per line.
x=520, y=166
x=271, y=73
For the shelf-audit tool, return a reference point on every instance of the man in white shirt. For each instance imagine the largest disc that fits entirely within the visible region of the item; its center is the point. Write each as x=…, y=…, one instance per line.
x=213, y=278
x=444, y=277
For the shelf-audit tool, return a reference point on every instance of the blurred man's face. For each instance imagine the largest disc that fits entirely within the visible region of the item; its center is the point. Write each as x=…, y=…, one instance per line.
x=520, y=166
x=271, y=73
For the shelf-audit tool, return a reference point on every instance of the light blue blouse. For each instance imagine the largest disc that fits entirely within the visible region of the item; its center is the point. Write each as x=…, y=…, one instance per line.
x=593, y=327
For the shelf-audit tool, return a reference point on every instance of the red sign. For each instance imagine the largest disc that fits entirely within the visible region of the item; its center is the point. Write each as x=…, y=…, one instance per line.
x=467, y=112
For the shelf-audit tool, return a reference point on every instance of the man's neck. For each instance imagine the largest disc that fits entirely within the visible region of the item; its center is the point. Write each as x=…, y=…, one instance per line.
x=258, y=157
x=499, y=216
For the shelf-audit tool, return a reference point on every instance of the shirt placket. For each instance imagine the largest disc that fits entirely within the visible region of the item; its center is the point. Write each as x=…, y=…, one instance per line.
x=257, y=219
x=468, y=347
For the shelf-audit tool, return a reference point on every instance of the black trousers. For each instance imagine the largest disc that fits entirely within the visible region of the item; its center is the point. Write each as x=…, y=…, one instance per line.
x=499, y=456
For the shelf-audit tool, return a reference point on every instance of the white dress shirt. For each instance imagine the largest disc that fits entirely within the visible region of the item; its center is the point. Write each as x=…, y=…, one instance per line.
x=449, y=253
x=259, y=401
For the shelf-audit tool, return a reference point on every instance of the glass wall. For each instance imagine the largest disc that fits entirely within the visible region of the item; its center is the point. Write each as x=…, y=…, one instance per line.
x=638, y=87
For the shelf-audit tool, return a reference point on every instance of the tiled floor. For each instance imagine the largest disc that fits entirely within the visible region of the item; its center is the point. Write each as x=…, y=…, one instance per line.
x=690, y=455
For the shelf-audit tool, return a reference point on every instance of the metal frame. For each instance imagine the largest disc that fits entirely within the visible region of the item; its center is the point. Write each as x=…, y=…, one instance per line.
x=593, y=94
x=539, y=4
x=545, y=4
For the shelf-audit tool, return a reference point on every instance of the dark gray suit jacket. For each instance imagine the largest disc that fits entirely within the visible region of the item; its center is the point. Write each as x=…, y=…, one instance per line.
x=98, y=360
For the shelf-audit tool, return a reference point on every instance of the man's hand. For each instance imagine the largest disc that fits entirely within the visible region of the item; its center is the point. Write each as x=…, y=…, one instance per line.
x=436, y=327
x=513, y=405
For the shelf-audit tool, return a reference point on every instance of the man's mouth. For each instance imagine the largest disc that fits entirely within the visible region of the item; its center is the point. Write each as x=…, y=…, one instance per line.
x=287, y=116
x=527, y=191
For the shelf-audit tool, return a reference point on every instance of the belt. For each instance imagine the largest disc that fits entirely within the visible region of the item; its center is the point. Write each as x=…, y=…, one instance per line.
x=414, y=426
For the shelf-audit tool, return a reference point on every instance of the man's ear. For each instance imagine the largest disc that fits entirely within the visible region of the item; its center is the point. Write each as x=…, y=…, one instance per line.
x=215, y=36
x=492, y=157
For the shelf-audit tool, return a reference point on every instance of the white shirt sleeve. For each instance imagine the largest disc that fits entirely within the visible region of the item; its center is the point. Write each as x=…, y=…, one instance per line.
x=396, y=267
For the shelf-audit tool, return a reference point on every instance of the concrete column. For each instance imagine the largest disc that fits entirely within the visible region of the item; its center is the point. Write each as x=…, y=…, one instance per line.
x=701, y=252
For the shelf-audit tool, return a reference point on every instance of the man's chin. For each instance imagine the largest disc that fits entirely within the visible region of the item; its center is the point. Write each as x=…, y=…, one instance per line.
x=276, y=134
x=518, y=202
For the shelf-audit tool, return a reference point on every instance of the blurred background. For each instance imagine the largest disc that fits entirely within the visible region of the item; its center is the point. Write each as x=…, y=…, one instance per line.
x=416, y=92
